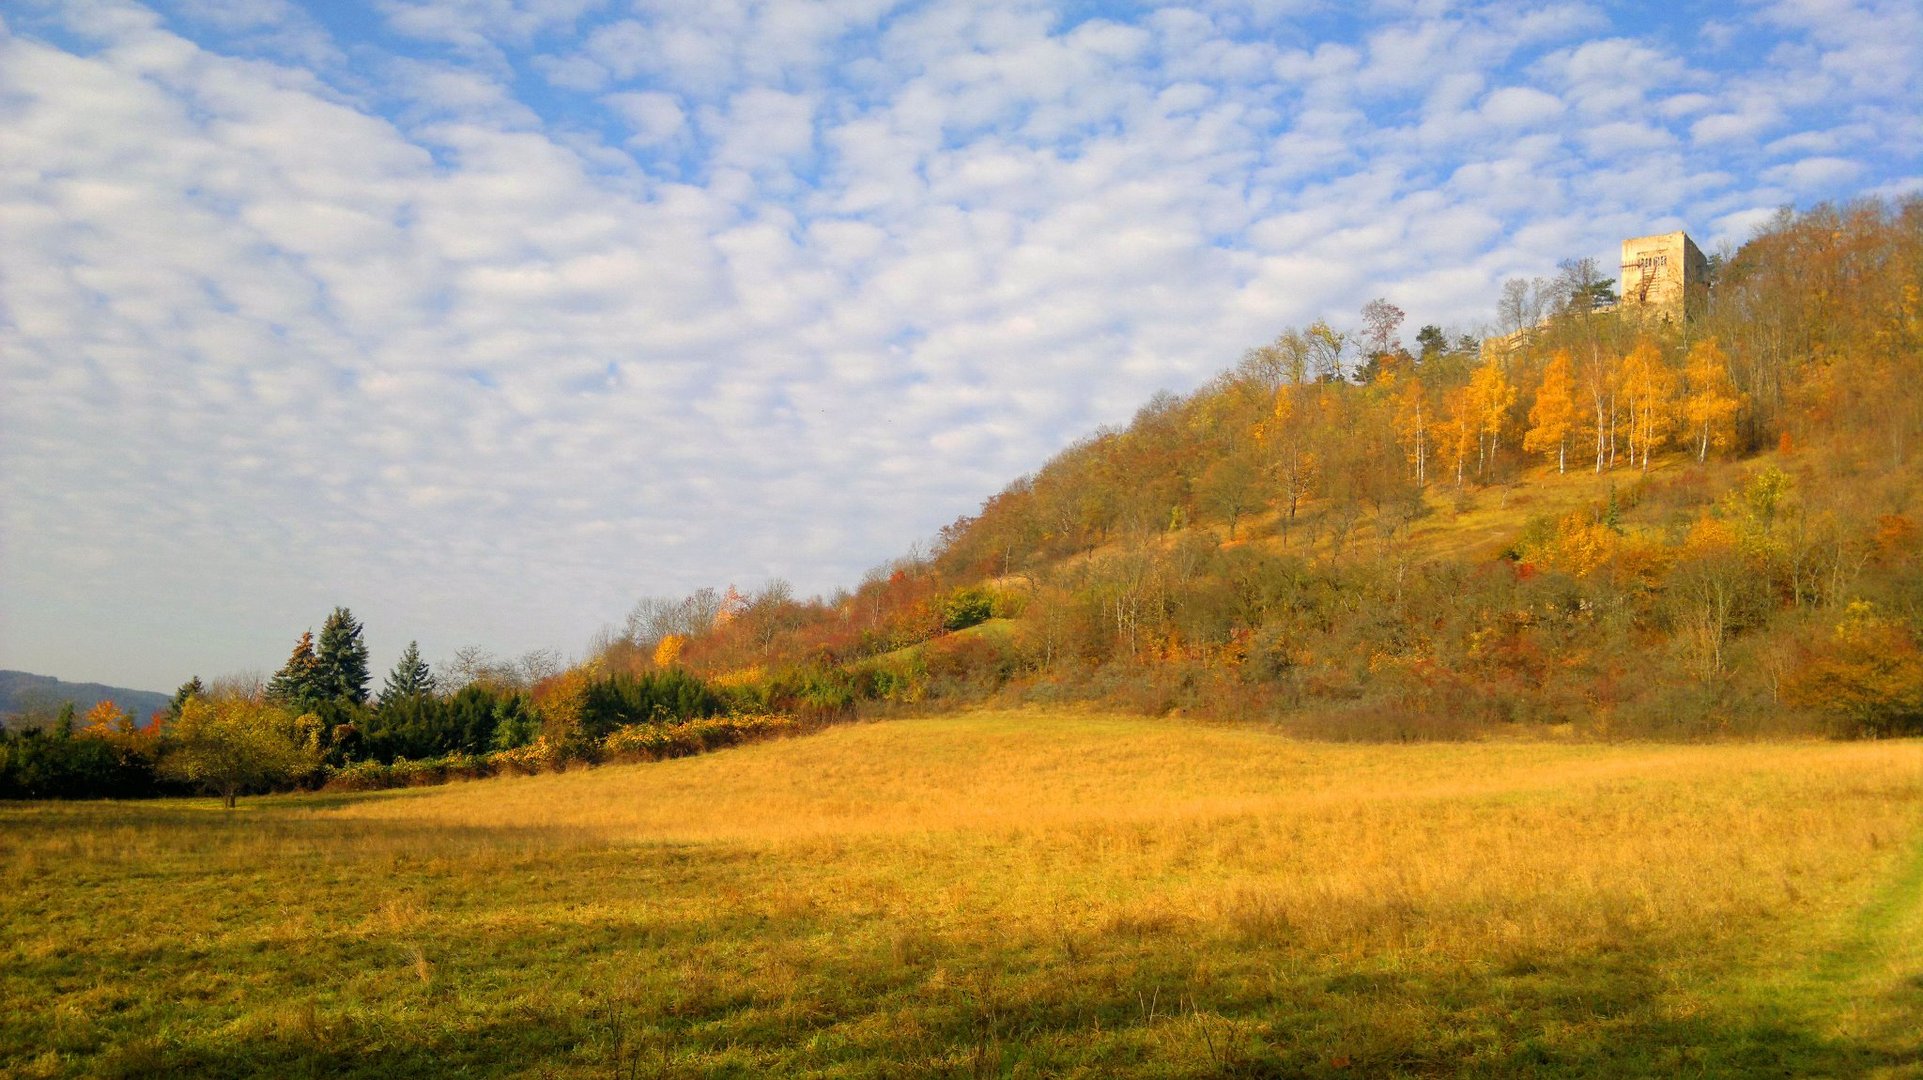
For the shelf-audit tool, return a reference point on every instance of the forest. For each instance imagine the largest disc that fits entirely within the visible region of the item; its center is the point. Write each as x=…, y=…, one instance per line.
x=1600, y=525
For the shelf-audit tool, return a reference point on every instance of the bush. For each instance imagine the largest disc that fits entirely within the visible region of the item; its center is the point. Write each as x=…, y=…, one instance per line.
x=966, y=607
x=622, y=699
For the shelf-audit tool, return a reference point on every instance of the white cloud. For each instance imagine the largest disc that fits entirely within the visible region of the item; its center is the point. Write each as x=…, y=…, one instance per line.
x=654, y=117
x=790, y=286
x=1521, y=106
x=1814, y=175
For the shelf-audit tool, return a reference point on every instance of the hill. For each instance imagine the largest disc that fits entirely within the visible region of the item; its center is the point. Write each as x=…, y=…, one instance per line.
x=24, y=694
x=1031, y=892
x=1611, y=521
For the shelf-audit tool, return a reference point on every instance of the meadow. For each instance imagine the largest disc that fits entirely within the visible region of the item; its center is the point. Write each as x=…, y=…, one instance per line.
x=1023, y=892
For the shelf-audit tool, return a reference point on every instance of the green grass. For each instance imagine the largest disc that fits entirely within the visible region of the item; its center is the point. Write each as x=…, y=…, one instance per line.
x=1017, y=893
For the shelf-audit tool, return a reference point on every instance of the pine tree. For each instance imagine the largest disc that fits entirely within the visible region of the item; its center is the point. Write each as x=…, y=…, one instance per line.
x=411, y=677
x=297, y=683
x=342, y=657
x=192, y=688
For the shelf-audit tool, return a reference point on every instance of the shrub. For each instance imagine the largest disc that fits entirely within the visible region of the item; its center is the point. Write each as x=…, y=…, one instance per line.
x=966, y=607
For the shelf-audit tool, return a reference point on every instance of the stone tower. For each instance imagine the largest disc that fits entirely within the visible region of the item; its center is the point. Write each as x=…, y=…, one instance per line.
x=1664, y=277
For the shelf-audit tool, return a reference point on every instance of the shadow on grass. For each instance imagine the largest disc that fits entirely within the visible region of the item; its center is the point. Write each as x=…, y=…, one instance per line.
x=960, y=1038
x=695, y=995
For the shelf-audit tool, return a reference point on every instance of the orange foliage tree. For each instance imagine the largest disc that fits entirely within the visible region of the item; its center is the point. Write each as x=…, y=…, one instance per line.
x=1553, y=416
x=1869, y=673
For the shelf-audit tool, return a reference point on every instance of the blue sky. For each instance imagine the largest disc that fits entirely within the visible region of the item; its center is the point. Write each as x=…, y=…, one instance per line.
x=487, y=317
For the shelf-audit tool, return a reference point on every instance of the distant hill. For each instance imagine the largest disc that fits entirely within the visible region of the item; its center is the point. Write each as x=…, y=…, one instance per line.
x=23, y=693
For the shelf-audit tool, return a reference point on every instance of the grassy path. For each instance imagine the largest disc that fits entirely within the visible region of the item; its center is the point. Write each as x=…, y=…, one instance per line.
x=1869, y=985
x=1853, y=1007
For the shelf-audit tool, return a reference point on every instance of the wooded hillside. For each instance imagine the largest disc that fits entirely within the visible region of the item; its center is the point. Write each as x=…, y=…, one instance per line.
x=1617, y=524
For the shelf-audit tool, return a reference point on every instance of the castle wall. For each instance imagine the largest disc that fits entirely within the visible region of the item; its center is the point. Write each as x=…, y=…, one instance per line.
x=1664, y=276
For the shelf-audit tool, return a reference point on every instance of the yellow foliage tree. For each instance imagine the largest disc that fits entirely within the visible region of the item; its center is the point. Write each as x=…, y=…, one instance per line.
x=1712, y=401
x=667, y=652
x=1491, y=396
x=1413, y=421
x=1289, y=448
x=1601, y=379
x=1553, y=416
x=1458, y=432
x=229, y=744
x=1649, y=390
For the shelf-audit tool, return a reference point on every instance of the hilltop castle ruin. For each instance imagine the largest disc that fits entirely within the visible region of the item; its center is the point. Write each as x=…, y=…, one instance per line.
x=1664, y=277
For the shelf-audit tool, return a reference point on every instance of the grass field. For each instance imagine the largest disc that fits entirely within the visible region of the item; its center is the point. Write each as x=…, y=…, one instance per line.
x=1022, y=893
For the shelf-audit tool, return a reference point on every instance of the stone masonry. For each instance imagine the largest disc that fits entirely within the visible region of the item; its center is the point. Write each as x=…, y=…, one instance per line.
x=1664, y=277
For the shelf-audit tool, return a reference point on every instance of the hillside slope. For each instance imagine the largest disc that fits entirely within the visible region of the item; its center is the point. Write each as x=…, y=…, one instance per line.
x=1612, y=524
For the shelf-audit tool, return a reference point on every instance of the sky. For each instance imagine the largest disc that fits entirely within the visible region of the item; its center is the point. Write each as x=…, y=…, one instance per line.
x=485, y=318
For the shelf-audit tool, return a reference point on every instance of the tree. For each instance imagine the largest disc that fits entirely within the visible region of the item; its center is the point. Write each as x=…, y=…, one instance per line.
x=1325, y=347
x=1580, y=287
x=1431, y=342
x=231, y=745
x=1231, y=486
x=1490, y=397
x=1649, y=391
x=1459, y=431
x=191, y=688
x=298, y=682
x=1553, y=416
x=1602, y=378
x=1413, y=421
x=1869, y=674
x=667, y=652
x=1380, y=321
x=1289, y=450
x=1284, y=360
x=1712, y=401
x=410, y=678
x=342, y=656
x=1521, y=304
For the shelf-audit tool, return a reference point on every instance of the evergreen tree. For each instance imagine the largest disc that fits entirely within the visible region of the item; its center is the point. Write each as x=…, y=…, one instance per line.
x=298, y=682
x=189, y=689
x=342, y=659
x=410, y=678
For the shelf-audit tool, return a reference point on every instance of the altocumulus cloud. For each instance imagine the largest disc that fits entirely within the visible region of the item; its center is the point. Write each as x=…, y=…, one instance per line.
x=484, y=317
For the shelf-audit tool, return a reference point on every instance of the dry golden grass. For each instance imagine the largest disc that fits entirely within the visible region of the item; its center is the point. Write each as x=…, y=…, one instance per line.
x=1009, y=891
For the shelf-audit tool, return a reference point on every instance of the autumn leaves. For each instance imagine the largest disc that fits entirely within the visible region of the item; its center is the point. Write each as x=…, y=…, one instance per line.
x=1637, y=403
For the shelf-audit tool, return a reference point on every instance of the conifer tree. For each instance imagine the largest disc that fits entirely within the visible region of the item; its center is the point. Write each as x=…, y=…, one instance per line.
x=342, y=657
x=411, y=677
x=298, y=682
x=189, y=689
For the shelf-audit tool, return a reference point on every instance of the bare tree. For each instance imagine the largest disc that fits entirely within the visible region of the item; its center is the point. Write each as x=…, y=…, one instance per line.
x=1380, y=322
